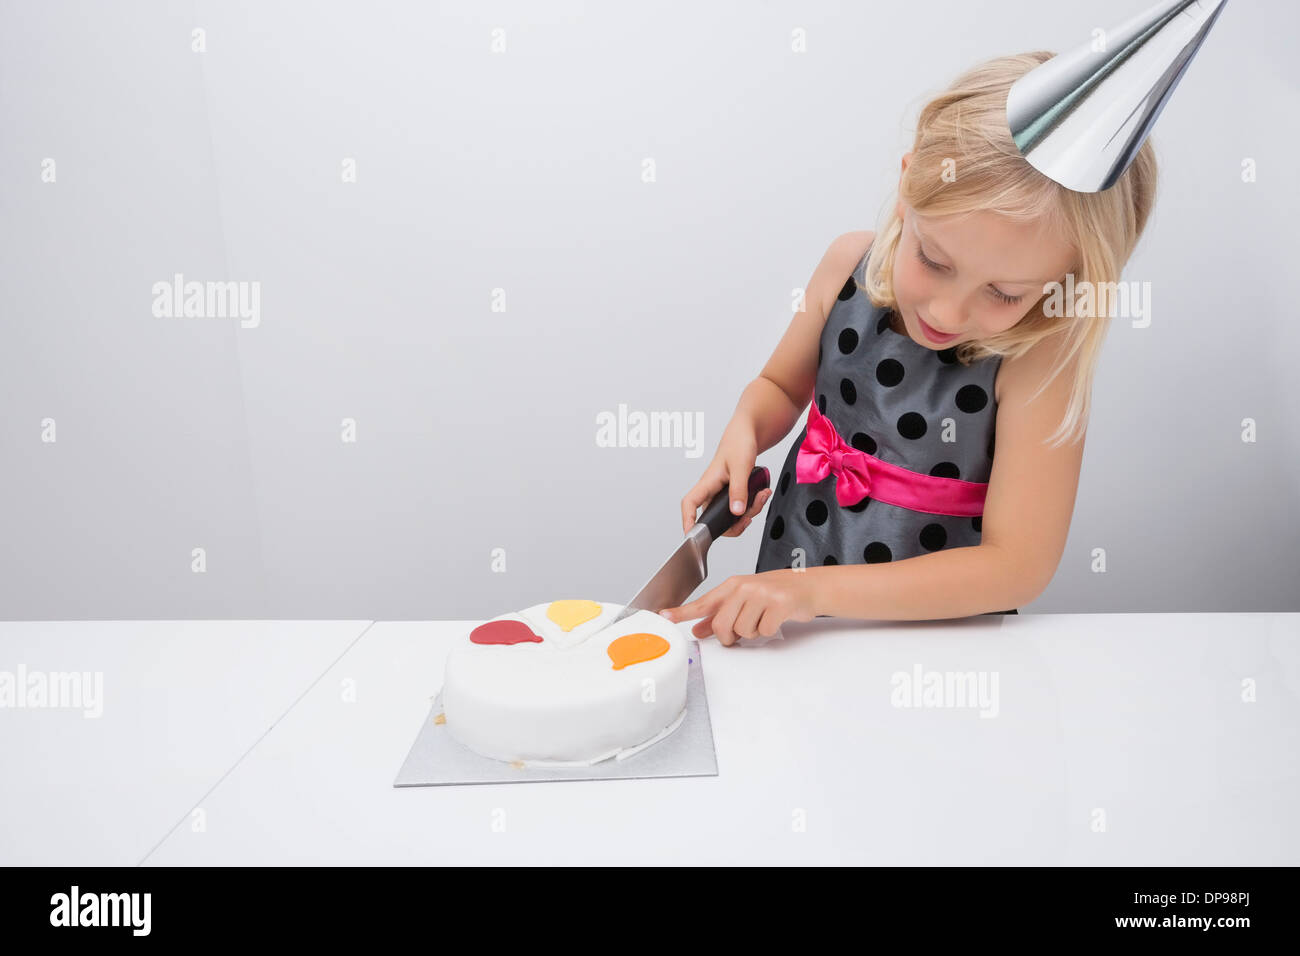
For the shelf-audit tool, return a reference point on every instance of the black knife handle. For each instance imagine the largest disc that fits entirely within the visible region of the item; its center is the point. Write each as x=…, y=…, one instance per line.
x=717, y=516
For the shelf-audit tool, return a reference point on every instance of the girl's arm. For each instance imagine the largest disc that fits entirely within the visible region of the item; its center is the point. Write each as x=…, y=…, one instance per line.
x=955, y=582
x=773, y=402
x=1023, y=532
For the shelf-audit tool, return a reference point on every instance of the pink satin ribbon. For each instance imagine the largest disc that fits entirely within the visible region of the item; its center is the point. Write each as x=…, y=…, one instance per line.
x=858, y=475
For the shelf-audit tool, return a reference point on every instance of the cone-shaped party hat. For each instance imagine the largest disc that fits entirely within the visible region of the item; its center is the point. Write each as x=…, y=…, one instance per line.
x=1081, y=117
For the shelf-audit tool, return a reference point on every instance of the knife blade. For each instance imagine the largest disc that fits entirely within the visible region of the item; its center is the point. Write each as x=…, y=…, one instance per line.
x=687, y=567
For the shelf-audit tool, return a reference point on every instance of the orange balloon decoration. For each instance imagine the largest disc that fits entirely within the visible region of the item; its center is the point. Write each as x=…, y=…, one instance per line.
x=636, y=649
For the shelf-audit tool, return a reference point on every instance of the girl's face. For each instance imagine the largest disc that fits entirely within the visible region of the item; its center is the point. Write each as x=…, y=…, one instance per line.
x=962, y=278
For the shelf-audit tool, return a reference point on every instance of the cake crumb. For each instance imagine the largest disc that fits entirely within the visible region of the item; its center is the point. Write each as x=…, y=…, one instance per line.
x=517, y=764
x=440, y=719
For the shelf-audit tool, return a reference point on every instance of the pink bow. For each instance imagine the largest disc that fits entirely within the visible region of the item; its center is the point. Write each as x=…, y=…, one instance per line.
x=823, y=452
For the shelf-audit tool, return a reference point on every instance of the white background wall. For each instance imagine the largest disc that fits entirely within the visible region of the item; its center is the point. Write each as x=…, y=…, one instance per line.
x=522, y=171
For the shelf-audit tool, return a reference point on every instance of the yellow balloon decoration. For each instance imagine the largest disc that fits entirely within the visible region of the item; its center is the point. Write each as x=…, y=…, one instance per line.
x=569, y=614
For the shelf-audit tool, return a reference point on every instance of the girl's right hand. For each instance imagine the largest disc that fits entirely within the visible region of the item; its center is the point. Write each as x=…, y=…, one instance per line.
x=730, y=468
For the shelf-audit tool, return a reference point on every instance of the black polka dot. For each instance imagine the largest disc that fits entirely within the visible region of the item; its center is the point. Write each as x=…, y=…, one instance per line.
x=785, y=482
x=830, y=559
x=848, y=392
x=863, y=442
x=882, y=324
x=933, y=537
x=848, y=341
x=977, y=523
x=850, y=287
x=821, y=404
x=971, y=398
x=911, y=425
x=945, y=469
x=861, y=506
x=816, y=512
x=889, y=372
x=877, y=552
x=947, y=356
x=778, y=527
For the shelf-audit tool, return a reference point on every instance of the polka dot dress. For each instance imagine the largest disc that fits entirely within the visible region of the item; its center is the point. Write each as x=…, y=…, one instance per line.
x=906, y=404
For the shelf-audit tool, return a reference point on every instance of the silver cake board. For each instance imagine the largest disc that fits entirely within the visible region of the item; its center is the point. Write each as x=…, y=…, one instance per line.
x=438, y=760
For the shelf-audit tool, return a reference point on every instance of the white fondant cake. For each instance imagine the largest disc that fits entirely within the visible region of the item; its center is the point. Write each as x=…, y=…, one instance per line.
x=542, y=688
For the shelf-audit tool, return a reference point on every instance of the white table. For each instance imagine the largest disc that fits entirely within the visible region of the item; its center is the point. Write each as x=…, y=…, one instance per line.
x=183, y=701
x=1118, y=739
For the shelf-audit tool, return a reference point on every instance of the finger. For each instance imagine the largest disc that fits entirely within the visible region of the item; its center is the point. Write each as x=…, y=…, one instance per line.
x=737, y=530
x=685, y=612
x=690, y=506
x=703, y=629
x=724, y=618
x=739, y=527
x=704, y=490
x=770, y=624
x=747, y=620
x=702, y=606
x=739, y=472
x=760, y=499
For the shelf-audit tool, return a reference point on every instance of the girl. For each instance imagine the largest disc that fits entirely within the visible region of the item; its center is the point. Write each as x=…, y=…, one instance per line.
x=917, y=345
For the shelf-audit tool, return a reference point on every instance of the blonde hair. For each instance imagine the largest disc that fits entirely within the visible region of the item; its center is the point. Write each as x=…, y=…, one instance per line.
x=967, y=124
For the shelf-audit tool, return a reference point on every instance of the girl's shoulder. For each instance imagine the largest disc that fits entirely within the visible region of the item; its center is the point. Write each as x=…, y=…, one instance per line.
x=848, y=248
x=842, y=257
x=1020, y=377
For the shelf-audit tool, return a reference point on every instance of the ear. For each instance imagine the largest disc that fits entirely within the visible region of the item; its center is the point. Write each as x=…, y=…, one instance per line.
x=907, y=157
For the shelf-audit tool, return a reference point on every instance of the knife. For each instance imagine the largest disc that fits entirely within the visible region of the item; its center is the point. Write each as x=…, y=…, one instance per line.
x=686, y=570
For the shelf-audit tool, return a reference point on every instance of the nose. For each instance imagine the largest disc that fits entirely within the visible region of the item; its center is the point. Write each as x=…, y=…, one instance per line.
x=945, y=318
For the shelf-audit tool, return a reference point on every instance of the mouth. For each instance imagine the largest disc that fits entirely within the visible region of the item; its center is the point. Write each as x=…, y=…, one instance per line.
x=938, y=338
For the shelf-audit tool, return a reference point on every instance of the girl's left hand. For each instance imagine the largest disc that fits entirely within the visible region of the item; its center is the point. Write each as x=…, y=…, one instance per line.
x=748, y=605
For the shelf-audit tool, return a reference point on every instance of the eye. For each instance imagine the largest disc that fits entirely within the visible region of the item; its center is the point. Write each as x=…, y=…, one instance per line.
x=999, y=295
x=921, y=255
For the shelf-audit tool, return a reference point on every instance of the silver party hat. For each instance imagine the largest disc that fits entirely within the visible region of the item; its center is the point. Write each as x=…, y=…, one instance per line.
x=1081, y=117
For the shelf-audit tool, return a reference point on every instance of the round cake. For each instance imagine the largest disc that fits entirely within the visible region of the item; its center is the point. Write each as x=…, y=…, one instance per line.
x=542, y=688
